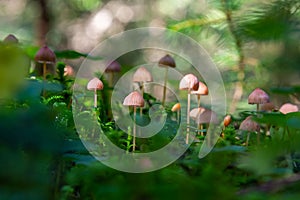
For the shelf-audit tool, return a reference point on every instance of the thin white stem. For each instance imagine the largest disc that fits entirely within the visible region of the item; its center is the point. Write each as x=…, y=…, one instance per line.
x=165, y=87
x=95, y=98
x=188, y=118
x=134, y=128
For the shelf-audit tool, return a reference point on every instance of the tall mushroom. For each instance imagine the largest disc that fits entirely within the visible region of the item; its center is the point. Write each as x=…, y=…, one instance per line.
x=250, y=126
x=134, y=99
x=202, y=90
x=189, y=82
x=11, y=39
x=112, y=68
x=166, y=61
x=258, y=96
x=95, y=84
x=141, y=76
x=45, y=56
x=176, y=108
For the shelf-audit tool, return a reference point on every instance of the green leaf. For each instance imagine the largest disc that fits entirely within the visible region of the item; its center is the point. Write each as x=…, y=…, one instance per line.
x=274, y=118
x=293, y=120
x=71, y=54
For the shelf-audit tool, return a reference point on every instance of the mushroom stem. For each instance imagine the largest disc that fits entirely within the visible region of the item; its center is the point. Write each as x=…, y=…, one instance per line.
x=111, y=79
x=188, y=117
x=257, y=107
x=95, y=98
x=165, y=87
x=134, y=128
x=142, y=93
x=198, y=97
x=44, y=70
x=178, y=115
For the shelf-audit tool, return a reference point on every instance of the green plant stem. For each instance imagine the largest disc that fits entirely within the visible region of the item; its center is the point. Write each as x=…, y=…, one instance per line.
x=165, y=87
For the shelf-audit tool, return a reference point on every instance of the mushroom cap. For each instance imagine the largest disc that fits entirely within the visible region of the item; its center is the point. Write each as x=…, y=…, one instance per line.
x=45, y=54
x=227, y=120
x=167, y=61
x=267, y=106
x=134, y=99
x=288, y=108
x=11, y=39
x=188, y=82
x=202, y=89
x=258, y=96
x=142, y=75
x=176, y=107
x=113, y=66
x=249, y=125
x=68, y=71
x=95, y=83
x=203, y=116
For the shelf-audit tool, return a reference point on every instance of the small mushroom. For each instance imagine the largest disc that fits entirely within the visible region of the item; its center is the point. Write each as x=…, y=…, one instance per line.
x=141, y=76
x=202, y=90
x=45, y=56
x=11, y=39
x=176, y=108
x=95, y=84
x=258, y=96
x=112, y=68
x=250, y=126
x=134, y=99
x=288, y=108
x=227, y=120
x=267, y=107
x=166, y=61
x=203, y=116
x=68, y=71
x=189, y=82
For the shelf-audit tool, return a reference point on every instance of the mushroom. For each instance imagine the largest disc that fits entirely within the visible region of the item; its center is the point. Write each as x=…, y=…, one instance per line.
x=227, y=120
x=288, y=108
x=68, y=71
x=141, y=76
x=258, y=96
x=267, y=107
x=112, y=68
x=175, y=108
x=189, y=82
x=166, y=61
x=134, y=99
x=11, y=39
x=250, y=126
x=45, y=56
x=95, y=84
x=203, y=116
x=202, y=90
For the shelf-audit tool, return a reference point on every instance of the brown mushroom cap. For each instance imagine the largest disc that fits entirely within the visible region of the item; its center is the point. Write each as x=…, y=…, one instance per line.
x=258, y=96
x=249, y=125
x=46, y=55
x=113, y=66
x=176, y=107
x=134, y=99
x=203, y=116
x=267, y=106
x=288, y=108
x=142, y=75
x=95, y=83
x=167, y=61
x=188, y=82
x=227, y=120
x=11, y=39
x=202, y=89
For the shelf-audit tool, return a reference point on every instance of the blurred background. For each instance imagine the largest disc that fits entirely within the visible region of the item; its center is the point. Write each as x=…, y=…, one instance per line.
x=254, y=43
